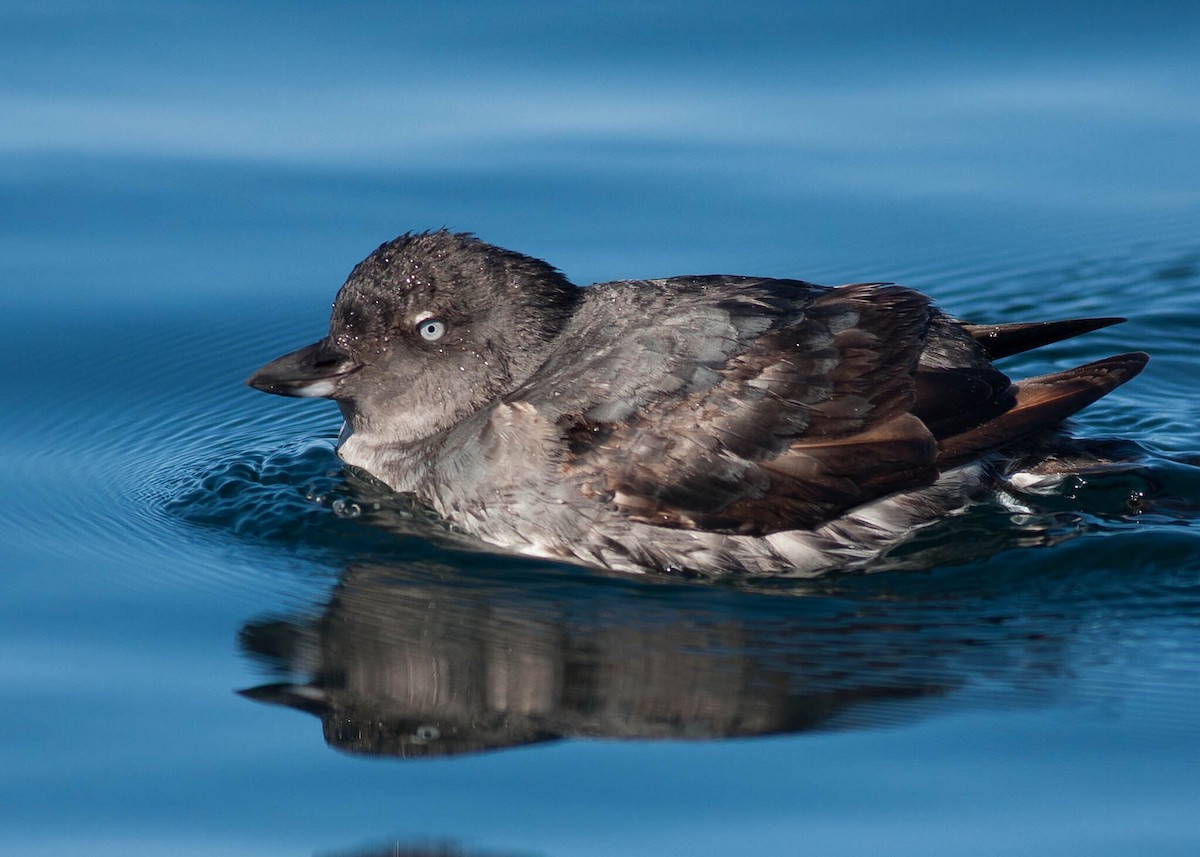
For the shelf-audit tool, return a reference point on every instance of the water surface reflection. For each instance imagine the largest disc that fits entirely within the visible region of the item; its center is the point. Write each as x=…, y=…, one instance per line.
x=425, y=660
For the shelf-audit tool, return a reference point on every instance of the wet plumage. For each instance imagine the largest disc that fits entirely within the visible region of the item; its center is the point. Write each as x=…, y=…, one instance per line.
x=708, y=423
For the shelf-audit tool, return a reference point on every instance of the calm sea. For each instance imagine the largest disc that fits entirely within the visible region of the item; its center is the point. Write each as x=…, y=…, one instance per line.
x=212, y=641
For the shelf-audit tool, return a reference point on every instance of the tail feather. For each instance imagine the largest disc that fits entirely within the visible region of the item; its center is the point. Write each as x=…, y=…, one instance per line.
x=1004, y=340
x=1042, y=402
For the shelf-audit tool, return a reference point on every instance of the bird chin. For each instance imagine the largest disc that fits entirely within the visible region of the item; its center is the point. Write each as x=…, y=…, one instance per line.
x=322, y=389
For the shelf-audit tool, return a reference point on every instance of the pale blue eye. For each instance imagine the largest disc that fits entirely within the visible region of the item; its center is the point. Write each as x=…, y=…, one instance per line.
x=431, y=329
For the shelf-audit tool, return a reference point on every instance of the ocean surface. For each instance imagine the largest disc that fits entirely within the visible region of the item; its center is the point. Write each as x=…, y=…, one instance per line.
x=215, y=641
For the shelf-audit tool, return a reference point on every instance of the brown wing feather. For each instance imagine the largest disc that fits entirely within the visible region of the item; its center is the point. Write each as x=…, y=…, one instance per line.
x=951, y=401
x=1041, y=403
x=837, y=398
x=810, y=420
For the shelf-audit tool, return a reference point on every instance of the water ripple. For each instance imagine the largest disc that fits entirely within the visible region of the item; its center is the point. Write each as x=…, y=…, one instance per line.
x=200, y=458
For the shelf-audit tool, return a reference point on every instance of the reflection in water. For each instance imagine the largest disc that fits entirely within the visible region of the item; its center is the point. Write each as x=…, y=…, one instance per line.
x=425, y=661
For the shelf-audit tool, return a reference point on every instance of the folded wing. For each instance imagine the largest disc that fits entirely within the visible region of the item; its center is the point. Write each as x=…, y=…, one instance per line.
x=825, y=405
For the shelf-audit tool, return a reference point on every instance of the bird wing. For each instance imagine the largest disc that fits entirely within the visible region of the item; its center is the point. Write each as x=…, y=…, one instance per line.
x=809, y=414
x=754, y=406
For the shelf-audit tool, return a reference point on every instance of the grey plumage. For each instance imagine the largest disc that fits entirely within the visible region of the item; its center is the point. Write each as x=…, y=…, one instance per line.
x=712, y=423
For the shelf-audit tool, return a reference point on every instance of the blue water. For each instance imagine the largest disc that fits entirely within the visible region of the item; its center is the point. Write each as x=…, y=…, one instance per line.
x=188, y=575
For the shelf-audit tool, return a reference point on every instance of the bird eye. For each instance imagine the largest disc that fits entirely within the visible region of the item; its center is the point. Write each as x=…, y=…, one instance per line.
x=431, y=329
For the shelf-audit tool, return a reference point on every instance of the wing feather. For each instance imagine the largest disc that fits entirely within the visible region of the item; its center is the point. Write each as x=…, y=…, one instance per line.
x=759, y=406
x=811, y=418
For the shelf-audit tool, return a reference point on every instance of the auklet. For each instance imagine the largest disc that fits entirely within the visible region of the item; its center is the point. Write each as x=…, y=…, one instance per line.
x=703, y=424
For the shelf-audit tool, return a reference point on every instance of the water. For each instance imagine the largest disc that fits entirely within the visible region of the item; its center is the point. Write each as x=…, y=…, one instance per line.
x=214, y=641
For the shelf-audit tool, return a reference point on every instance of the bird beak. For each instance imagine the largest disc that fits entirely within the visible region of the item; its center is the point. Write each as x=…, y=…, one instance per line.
x=312, y=372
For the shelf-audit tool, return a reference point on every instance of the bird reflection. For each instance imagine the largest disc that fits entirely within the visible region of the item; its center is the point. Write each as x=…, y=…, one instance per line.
x=424, y=660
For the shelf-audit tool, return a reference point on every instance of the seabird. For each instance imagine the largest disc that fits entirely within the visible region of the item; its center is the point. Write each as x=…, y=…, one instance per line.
x=706, y=424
